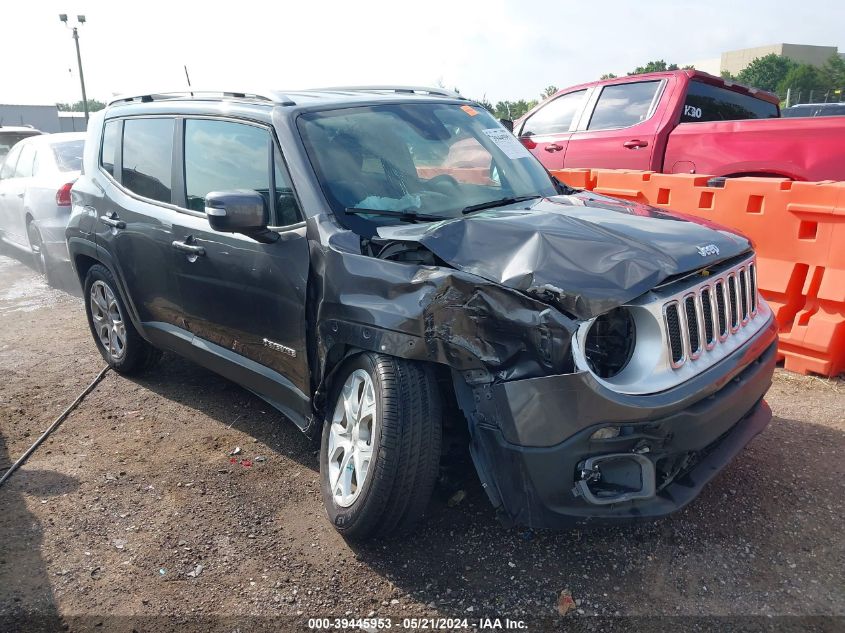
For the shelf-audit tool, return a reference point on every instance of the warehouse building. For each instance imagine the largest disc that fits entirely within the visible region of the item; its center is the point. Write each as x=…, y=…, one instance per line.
x=46, y=118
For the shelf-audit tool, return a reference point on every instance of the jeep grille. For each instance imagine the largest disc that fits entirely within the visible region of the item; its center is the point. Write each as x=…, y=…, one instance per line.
x=736, y=303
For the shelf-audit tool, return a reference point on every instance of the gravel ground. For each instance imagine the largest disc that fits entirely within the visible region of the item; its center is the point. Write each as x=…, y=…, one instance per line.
x=134, y=510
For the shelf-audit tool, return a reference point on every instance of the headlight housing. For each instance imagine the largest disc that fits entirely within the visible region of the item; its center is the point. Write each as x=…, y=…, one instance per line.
x=610, y=341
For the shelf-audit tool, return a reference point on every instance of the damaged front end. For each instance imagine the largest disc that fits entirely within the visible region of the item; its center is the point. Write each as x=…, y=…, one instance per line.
x=563, y=365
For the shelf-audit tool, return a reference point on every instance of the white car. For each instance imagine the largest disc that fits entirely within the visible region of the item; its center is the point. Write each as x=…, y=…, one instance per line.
x=35, y=182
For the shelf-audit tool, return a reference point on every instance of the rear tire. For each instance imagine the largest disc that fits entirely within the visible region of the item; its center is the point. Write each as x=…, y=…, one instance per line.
x=402, y=444
x=41, y=259
x=117, y=339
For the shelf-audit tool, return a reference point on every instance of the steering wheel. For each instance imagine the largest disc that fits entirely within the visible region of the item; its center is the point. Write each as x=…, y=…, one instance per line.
x=444, y=178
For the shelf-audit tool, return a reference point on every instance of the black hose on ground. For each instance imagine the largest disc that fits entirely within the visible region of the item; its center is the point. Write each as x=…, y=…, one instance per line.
x=54, y=425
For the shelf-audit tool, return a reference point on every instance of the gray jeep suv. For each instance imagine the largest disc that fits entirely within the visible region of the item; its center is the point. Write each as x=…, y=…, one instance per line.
x=391, y=269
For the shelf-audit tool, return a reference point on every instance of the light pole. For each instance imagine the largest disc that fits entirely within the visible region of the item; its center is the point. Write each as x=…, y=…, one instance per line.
x=80, y=21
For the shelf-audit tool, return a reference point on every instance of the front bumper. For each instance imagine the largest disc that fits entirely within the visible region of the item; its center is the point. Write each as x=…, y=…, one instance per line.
x=534, y=436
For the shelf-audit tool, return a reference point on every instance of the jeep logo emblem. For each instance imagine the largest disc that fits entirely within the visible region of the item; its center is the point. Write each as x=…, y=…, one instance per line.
x=707, y=249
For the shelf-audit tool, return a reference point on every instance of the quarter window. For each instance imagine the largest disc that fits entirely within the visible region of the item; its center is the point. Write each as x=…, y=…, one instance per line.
x=556, y=116
x=111, y=142
x=623, y=105
x=147, y=157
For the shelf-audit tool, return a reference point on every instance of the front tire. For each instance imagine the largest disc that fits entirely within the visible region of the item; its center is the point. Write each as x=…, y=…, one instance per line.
x=117, y=339
x=381, y=443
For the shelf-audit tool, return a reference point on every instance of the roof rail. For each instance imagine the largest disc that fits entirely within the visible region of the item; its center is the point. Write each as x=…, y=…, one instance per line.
x=278, y=98
x=438, y=92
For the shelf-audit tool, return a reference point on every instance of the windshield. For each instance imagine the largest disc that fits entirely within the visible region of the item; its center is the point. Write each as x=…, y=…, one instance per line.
x=69, y=155
x=426, y=159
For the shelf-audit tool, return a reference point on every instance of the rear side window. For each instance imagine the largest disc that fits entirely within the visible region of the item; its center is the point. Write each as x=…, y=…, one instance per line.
x=706, y=102
x=25, y=162
x=623, y=105
x=147, y=157
x=556, y=116
x=225, y=155
x=111, y=144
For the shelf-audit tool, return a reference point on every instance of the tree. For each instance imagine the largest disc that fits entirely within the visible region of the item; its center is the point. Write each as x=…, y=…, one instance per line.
x=93, y=106
x=486, y=104
x=832, y=74
x=767, y=72
x=653, y=67
x=726, y=74
x=513, y=109
x=548, y=92
x=607, y=76
x=802, y=78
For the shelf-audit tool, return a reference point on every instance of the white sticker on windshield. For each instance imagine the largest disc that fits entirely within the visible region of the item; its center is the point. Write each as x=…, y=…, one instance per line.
x=507, y=142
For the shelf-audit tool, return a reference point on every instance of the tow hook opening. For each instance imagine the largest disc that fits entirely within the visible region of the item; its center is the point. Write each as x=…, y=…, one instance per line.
x=615, y=478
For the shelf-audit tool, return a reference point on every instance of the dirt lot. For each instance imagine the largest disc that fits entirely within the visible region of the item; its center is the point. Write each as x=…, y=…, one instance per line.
x=134, y=508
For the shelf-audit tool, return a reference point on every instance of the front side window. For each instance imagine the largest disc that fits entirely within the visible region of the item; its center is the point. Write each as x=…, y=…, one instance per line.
x=224, y=156
x=706, y=102
x=556, y=116
x=147, y=157
x=109, y=149
x=623, y=105
x=426, y=159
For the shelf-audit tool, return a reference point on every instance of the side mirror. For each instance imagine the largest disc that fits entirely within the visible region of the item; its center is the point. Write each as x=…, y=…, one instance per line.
x=240, y=211
x=508, y=124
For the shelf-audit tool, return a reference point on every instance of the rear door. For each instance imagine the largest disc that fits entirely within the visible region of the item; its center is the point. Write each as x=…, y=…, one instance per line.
x=135, y=221
x=546, y=132
x=244, y=300
x=618, y=129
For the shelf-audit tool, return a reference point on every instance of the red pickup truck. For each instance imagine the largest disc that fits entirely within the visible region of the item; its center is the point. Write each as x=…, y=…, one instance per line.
x=683, y=121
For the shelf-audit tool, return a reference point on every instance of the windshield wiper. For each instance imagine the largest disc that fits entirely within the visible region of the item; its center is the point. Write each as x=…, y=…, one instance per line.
x=405, y=215
x=497, y=203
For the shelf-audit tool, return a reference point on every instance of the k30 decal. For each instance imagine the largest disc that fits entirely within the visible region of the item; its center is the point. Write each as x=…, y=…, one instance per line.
x=692, y=112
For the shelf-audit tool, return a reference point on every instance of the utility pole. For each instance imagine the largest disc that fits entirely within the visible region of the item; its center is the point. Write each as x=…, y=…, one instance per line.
x=80, y=21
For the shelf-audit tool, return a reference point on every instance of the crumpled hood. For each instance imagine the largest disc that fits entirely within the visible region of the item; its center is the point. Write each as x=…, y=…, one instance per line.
x=585, y=252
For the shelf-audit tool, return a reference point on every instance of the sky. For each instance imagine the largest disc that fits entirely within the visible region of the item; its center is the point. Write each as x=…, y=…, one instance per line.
x=494, y=49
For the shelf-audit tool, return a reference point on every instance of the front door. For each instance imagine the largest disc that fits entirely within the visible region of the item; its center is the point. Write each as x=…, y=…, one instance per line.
x=546, y=132
x=621, y=132
x=244, y=300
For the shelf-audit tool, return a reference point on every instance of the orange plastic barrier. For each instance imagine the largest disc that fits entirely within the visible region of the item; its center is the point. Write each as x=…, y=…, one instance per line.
x=798, y=230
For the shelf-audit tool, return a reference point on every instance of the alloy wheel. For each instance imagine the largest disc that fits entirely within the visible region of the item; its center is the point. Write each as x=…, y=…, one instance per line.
x=351, y=436
x=108, y=320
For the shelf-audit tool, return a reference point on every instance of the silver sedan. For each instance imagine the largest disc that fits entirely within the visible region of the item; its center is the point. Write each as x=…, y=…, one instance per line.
x=35, y=182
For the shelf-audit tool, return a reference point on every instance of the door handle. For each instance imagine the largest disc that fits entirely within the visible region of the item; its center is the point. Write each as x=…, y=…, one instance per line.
x=552, y=147
x=635, y=144
x=19, y=195
x=191, y=249
x=113, y=221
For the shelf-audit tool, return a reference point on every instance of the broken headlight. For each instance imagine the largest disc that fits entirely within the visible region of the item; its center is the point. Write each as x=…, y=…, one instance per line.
x=610, y=343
